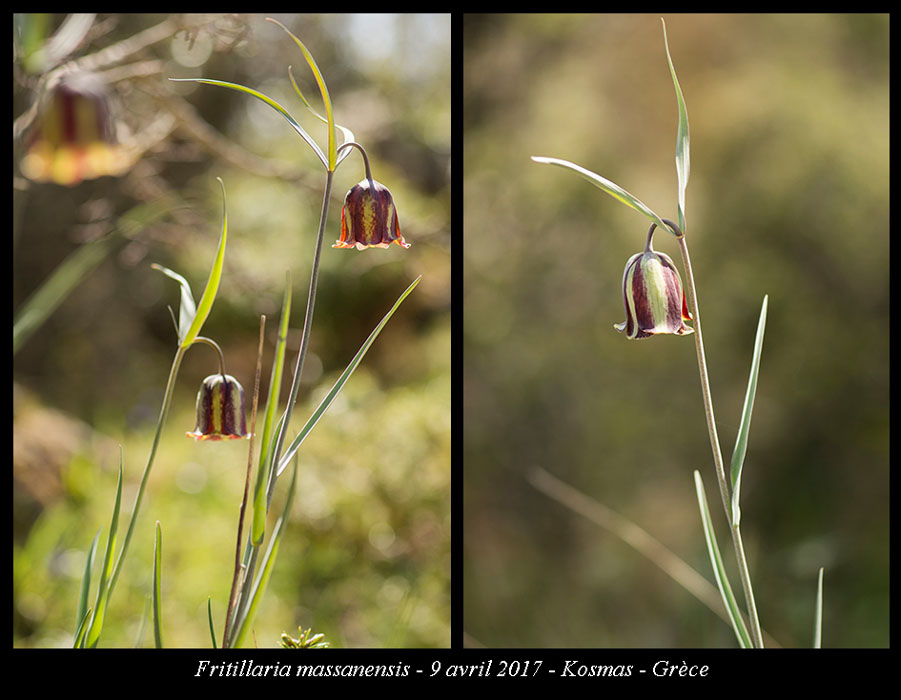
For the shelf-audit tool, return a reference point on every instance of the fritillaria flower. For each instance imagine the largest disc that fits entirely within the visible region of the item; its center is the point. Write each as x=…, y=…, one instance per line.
x=73, y=136
x=653, y=296
x=369, y=218
x=220, y=409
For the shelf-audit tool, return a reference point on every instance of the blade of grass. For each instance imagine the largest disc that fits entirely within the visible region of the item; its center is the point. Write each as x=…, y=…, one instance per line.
x=348, y=134
x=187, y=308
x=245, y=617
x=268, y=439
x=93, y=635
x=80, y=616
x=145, y=615
x=82, y=629
x=157, y=568
x=741, y=439
x=818, y=615
x=719, y=571
x=77, y=266
x=683, y=161
x=342, y=380
x=212, y=285
x=209, y=612
x=269, y=101
x=609, y=187
x=323, y=89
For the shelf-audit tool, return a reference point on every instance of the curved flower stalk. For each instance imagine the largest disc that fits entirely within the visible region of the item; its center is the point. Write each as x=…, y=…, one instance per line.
x=191, y=319
x=655, y=303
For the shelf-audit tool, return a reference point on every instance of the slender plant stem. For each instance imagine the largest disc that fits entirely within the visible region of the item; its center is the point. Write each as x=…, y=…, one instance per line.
x=242, y=606
x=213, y=344
x=253, y=421
x=362, y=151
x=305, y=336
x=164, y=412
x=715, y=441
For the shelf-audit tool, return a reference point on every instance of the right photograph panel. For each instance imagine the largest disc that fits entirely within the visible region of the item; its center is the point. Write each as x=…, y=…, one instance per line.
x=676, y=331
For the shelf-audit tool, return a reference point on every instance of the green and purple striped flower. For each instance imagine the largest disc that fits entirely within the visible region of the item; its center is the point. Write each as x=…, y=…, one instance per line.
x=369, y=218
x=220, y=409
x=653, y=297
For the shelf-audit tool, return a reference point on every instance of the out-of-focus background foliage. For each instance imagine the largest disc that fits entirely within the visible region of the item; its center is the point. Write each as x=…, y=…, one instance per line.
x=366, y=559
x=789, y=196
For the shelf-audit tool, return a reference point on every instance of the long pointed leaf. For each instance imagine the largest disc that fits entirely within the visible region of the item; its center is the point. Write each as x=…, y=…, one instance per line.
x=342, y=380
x=93, y=635
x=81, y=615
x=245, y=620
x=607, y=186
x=209, y=613
x=82, y=629
x=187, y=308
x=818, y=616
x=348, y=134
x=212, y=285
x=275, y=383
x=269, y=101
x=157, y=573
x=323, y=89
x=741, y=439
x=683, y=161
x=719, y=571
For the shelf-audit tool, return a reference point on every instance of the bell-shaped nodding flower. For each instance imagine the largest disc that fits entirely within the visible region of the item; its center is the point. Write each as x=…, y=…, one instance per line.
x=369, y=218
x=73, y=137
x=653, y=296
x=220, y=409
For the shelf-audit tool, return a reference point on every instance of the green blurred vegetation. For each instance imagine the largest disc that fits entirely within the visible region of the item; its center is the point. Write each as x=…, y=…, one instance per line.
x=366, y=558
x=788, y=197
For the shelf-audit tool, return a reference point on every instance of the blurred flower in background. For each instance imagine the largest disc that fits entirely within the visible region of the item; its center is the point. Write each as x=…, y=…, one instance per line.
x=73, y=137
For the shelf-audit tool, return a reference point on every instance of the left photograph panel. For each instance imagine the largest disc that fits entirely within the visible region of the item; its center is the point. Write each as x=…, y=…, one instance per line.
x=231, y=253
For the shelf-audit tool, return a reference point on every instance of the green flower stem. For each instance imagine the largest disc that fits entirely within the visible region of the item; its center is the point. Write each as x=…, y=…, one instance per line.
x=715, y=444
x=164, y=412
x=232, y=596
x=305, y=337
x=242, y=607
x=213, y=344
x=362, y=151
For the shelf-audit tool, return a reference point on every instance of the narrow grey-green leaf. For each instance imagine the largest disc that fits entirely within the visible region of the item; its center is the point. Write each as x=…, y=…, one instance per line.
x=209, y=613
x=818, y=615
x=80, y=616
x=269, y=101
x=212, y=286
x=683, y=161
x=245, y=618
x=157, y=573
x=82, y=629
x=342, y=380
x=741, y=439
x=348, y=134
x=186, y=308
x=323, y=89
x=260, y=501
x=607, y=186
x=93, y=634
x=719, y=571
